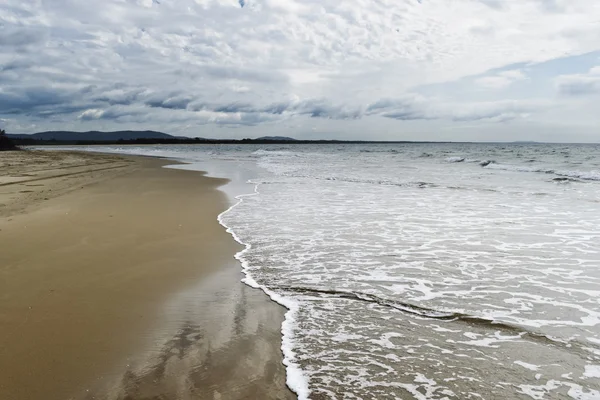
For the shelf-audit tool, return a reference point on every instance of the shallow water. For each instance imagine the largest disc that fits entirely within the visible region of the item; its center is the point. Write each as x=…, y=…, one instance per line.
x=426, y=271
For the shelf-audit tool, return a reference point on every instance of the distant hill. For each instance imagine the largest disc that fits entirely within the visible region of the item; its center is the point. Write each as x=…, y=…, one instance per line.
x=127, y=136
x=94, y=136
x=149, y=137
x=277, y=138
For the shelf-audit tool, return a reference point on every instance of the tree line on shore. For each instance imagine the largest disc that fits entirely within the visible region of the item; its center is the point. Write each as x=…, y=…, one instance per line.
x=5, y=142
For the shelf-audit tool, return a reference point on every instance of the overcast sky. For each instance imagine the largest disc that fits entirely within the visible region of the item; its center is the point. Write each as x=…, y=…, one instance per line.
x=483, y=70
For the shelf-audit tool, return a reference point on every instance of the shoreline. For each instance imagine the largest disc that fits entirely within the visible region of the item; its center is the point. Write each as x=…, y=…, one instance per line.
x=296, y=381
x=136, y=321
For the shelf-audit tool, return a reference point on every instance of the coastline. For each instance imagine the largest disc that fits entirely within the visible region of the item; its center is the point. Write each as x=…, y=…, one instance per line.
x=119, y=282
x=295, y=378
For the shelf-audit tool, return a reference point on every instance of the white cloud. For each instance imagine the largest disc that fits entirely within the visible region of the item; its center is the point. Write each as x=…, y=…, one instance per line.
x=501, y=80
x=580, y=84
x=420, y=108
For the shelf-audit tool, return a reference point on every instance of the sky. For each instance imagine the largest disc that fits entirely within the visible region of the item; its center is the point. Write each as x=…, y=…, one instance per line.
x=440, y=70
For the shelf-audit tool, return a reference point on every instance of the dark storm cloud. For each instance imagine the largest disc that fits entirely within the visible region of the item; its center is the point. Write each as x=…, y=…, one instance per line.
x=405, y=109
x=47, y=101
x=277, y=108
x=321, y=108
x=235, y=108
x=406, y=105
x=119, y=97
x=405, y=115
x=31, y=99
x=117, y=104
x=315, y=108
x=15, y=65
x=171, y=103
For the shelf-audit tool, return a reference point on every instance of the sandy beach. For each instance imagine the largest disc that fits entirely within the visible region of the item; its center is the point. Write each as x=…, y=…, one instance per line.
x=117, y=282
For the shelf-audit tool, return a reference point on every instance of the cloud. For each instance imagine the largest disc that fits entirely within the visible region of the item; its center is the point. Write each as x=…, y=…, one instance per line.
x=121, y=96
x=495, y=4
x=420, y=108
x=501, y=80
x=137, y=114
x=317, y=108
x=178, y=102
x=113, y=113
x=580, y=84
x=244, y=74
x=262, y=62
x=18, y=36
x=409, y=108
x=15, y=65
x=34, y=99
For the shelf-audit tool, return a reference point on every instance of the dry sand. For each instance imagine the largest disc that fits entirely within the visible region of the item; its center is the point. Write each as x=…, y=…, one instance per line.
x=117, y=282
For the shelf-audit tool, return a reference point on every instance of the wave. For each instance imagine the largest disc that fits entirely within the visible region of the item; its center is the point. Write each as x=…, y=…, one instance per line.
x=483, y=163
x=570, y=345
x=491, y=164
x=562, y=179
x=587, y=176
x=384, y=182
x=518, y=168
x=582, y=175
x=282, y=151
x=391, y=151
x=421, y=185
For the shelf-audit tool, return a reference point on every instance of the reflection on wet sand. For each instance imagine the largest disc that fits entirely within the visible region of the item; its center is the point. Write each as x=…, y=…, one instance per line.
x=226, y=345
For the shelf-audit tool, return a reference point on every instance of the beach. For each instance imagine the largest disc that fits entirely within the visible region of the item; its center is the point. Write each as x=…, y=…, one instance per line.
x=117, y=282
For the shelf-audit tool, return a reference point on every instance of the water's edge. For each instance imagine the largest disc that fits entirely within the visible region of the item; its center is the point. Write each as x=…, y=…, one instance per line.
x=295, y=379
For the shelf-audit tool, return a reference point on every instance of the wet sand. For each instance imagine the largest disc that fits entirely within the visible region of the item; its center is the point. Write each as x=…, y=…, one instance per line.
x=117, y=282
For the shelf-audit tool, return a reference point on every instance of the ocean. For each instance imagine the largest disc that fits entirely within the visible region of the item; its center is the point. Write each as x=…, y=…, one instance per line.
x=421, y=271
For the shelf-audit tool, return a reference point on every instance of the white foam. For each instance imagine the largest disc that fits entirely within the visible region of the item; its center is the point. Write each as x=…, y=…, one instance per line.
x=586, y=175
x=385, y=341
x=592, y=371
x=455, y=159
x=265, y=152
x=530, y=367
x=594, y=340
x=296, y=380
x=577, y=392
x=539, y=392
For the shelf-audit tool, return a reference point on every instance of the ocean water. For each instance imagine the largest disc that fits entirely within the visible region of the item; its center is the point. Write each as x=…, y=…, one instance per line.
x=423, y=271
